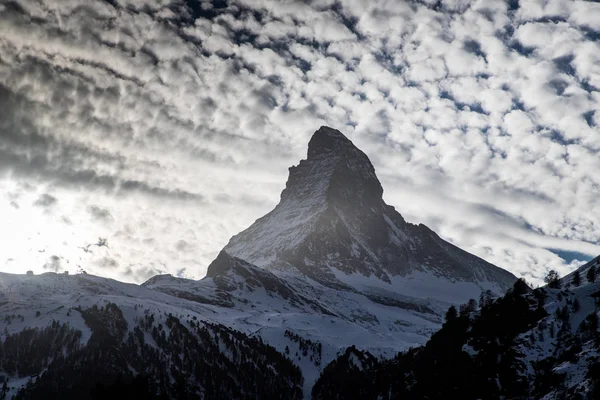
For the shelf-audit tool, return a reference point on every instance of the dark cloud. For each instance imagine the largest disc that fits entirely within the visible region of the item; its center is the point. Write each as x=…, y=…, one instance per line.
x=517, y=46
x=107, y=263
x=45, y=200
x=589, y=118
x=474, y=47
x=100, y=213
x=27, y=152
x=558, y=85
x=54, y=264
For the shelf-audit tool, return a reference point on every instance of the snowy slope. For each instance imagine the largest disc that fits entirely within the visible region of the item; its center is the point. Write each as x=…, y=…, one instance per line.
x=529, y=344
x=336, y=265
x=38, y=302
x=255, y=301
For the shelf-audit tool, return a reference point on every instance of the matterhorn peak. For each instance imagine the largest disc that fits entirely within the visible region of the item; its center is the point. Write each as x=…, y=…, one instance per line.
x=326, y=141
x=332, y=223
x=334, y=170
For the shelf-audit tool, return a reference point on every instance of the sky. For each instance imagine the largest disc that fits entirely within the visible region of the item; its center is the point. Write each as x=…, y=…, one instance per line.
x=166, y=127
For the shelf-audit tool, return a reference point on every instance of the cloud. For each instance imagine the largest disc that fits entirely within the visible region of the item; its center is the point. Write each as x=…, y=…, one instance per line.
x=99, y=213
x=45, y=200
x=106, y=263
x=53, y=264
x=169, y=126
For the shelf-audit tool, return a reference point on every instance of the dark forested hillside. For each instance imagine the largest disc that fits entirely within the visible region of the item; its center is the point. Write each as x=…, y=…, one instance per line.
x=527, y=344
x=183, y=359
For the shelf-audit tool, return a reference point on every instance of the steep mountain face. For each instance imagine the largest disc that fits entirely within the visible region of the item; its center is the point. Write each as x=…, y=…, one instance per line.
x=332, y=223
x=529, y=344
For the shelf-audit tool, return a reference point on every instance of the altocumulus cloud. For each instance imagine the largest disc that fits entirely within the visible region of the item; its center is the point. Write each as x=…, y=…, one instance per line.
x=167, y=126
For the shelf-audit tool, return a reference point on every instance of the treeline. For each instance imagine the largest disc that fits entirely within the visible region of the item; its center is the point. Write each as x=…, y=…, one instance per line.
x=30, y=351
x=175, y=358
x=305, y=346
x=9, y=318
x=480, y=354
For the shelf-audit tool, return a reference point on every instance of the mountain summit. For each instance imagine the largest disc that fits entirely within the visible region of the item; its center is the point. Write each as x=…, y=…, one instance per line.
x=332, y=225
x=335, y=165
x=333, y=264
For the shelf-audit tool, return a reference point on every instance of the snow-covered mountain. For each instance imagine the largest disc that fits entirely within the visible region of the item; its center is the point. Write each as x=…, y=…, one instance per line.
x=332, y=225
x=87, y=337
x=333, y=247
x=330, y=267
x=336, y=265
x=529, y=344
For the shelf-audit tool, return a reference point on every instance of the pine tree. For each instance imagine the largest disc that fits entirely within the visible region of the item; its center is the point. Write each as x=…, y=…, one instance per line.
x=576, y=306
x=472, y=305
x=521, y=286
x=451, y=313
x=564, y=314
x=576, y=278
x=593, y=319
x=485, y=298
x=552, y=279
x=4, y=390
x=591, y=274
